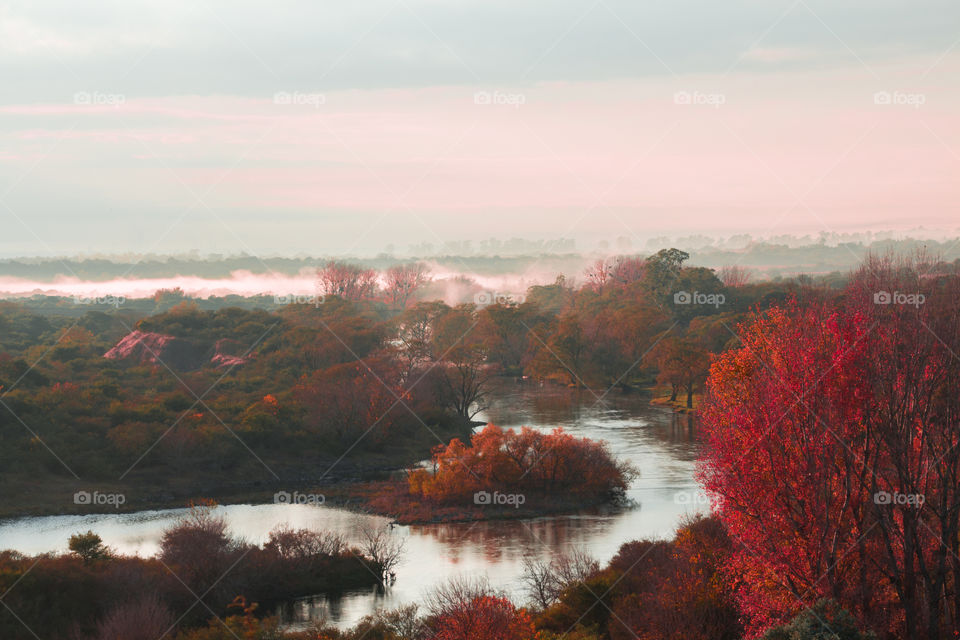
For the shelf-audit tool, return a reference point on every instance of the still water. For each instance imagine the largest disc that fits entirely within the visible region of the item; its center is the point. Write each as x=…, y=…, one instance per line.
x=659, y=443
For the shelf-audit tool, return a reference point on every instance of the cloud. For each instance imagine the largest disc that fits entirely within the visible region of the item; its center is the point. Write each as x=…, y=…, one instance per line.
x=149, y=124
x=143, y=48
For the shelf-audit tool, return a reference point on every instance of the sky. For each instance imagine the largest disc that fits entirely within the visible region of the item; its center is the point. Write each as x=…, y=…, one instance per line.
x=344, y=128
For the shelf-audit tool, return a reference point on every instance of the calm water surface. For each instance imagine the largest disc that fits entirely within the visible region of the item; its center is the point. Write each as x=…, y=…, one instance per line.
x=661, y=444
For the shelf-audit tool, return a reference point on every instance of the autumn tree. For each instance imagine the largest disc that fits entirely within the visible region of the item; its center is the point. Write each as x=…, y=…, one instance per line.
x=562, y=353
x=462, y=610
x=504, y=329
x=652, y=589
x=831, y=449
x=460, y=371
x=356, y=398
x=734, y=275
x=415, y=332
x=403, y=281
x=683, y=364
x=597, y=274
x=197, y=548
x=346, y=281
x=554, y=463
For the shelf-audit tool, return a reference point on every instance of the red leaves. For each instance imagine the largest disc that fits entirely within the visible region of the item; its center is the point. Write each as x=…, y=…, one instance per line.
x=483, y=617
x=827, y=405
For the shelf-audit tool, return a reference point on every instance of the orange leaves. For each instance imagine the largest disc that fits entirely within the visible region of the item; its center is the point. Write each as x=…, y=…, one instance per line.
x=524, y=461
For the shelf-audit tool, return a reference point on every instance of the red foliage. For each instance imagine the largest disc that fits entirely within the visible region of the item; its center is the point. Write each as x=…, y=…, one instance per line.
x=347, y=400
x=826, y=407
x=653, y=590
x=483, y=617
x=675, y=590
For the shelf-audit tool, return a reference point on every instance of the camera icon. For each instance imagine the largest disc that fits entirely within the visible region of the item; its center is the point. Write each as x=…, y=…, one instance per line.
x=482, y=97
x=882, y=297
x=882, y=97
x=282, y=497
x=482, y=497
x=682, y=297
x=682, y=97
x=882, y=497
x=82, y=497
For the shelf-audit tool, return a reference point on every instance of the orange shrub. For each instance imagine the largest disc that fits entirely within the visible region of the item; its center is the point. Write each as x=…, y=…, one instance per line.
x=525, y=461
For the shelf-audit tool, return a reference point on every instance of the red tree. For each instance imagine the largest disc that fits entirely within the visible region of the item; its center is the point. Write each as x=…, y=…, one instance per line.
x=831, y=451
x=464, y=611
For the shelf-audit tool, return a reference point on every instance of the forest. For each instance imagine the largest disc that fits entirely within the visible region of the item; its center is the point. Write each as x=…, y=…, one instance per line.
x=828, y=415
x=129, y=397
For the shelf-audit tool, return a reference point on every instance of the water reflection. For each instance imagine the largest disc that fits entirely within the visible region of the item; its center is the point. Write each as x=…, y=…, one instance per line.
x=661, y=444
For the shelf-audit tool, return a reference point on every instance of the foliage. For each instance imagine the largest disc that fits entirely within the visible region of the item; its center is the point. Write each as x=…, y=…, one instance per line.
x=824, y=621
x=832, y=452
x=89, y=546
x=200, y=572
x=528, y=462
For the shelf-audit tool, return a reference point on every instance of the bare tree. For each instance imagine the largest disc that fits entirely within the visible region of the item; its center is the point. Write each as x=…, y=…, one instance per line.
x=456, y=594
x=545, y=582
x=627, y=269
x=733, y=275
x=597, y=275
x=303, y=544
x=383, y=548
x=346, y=281
x=143, y=619
x=403, y=280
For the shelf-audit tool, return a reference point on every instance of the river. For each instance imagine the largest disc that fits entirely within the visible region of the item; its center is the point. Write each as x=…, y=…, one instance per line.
x=659, y=443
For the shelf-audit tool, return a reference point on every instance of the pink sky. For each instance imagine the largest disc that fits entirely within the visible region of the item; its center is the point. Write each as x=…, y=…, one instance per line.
x=790, y=139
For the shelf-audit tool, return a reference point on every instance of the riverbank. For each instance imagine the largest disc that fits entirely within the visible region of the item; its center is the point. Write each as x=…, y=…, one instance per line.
x=258, y=479
x=661, y=398
x=642, y=434
x=58, y=499
x=392, y=499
